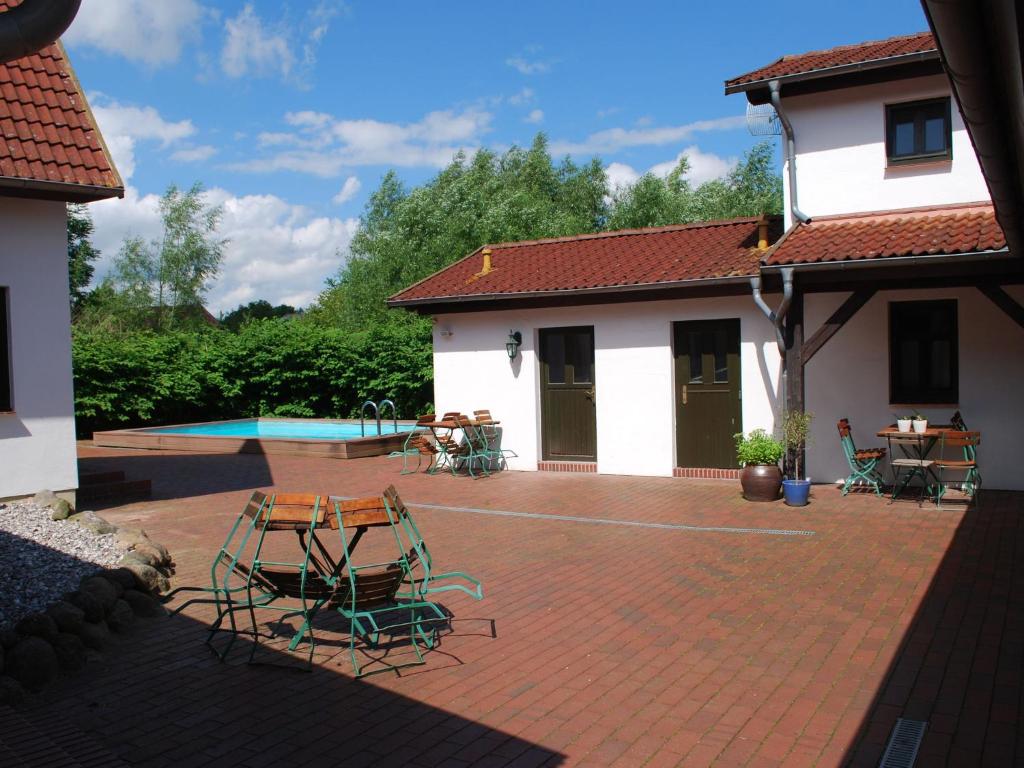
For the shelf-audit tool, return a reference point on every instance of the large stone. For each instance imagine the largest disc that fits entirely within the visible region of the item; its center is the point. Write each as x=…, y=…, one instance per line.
x=122, y=576
x=37, y=625
x=33, y=663
x=93, y=522
x=89, y=604
x=101, y=589
x=160, y=555
x=121, y=617
x=95, y=636
x=68, y=617
x=60, y=510
x=1, y=658
x=146, y=576
x=45, y=498
x=11, y=692
x=70, y=652
x=144, y=604
x=115, y=583
x=146, y=556
x=8, y=638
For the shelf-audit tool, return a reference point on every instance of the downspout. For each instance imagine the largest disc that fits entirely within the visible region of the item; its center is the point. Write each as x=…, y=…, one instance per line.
x=33, y=25
x=788, y=151
x=776, y=318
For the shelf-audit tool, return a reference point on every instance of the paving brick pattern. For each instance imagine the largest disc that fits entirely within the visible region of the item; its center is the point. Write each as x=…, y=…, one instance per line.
x=615, y=645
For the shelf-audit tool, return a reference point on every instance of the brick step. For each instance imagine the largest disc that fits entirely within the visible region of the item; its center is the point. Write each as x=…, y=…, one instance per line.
x=96, y=478
x=121, y=490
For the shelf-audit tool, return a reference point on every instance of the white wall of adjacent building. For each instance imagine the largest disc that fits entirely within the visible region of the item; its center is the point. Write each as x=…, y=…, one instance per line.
x=634, y=374
x=841, y=155
x=849, y=377
x=37, y=440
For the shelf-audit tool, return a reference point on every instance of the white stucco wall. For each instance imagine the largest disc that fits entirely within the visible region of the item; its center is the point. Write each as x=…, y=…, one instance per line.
x=840, y=153
x=633, y=370
x=37, y=441
x=849, y=377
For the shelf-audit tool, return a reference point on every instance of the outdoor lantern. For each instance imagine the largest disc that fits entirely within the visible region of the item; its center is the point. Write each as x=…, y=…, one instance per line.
x=515, y=338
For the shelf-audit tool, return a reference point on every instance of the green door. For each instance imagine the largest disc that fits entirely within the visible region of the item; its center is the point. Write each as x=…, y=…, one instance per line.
x=568, y=414
x=707, y=356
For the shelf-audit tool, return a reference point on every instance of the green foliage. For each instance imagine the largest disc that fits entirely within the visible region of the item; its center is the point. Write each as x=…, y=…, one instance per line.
x=81, y=253
x=268, y=368
x=406, y=235
x=796, y=431
x=261, y=309
x=162, y=283
x=757, y=448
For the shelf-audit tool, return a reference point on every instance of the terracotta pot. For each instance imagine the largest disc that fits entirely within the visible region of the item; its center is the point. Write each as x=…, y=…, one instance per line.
x=761, y=482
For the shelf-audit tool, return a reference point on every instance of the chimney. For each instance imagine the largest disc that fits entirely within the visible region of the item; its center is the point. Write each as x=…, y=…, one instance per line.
x=762, y=233
x=487, y=262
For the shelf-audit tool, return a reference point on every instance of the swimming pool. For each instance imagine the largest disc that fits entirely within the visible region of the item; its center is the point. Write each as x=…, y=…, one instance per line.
x=336, y=438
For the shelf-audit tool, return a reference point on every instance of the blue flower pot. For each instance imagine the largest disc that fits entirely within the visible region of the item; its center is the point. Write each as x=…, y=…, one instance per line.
x=796, y=492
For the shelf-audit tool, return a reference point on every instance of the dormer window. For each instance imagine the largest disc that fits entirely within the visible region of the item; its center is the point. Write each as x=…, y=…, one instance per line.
x=918, y=131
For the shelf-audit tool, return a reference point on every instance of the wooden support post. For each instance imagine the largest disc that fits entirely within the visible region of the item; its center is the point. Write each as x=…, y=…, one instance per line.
x=839, y=318
x=1005, y=302
x=795, y=365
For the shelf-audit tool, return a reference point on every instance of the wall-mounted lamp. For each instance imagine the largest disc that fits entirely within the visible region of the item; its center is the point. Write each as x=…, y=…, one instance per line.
x=515, y=339
x=446, y=333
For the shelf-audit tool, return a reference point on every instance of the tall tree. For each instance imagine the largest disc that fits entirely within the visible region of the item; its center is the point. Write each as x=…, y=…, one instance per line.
x=261, y=309
x=81, y=254
x=164, y=281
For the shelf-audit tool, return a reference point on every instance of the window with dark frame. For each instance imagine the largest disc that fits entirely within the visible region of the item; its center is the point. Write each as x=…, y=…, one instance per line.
x=918, y=131
x=923, y=353
x=5, y=355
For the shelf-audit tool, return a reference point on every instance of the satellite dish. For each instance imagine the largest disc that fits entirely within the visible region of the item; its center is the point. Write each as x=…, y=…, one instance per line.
x=762, y=120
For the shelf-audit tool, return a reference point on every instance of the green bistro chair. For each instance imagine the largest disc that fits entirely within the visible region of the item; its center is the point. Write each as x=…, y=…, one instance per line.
x=958, y=455
x=419, y=444
x=863, y=463
x=491, y=432
x=911, y=462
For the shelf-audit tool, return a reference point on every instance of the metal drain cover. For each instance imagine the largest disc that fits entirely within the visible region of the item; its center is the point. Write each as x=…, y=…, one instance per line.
x=901, y=751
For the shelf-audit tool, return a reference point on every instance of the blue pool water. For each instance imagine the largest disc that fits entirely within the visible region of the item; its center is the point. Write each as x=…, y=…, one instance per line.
x=304, y=430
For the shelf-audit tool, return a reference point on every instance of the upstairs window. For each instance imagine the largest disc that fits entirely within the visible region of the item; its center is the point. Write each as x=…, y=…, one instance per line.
x=923, y=347
x=5, y=355
x=918, y=131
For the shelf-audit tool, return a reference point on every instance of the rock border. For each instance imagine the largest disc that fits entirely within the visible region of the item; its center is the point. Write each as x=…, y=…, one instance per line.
x=60, y=640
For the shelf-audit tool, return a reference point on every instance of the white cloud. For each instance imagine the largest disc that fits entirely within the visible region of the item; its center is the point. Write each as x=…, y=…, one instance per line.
x=525, y=96
x=527, y=66
x=620, y=175
x=614, y=139
x=153, y=33
x=704, y=166
x=276, y=251
x=123, y=126
x=194, y=154
x=323, y=145
x=348, y=190
x=250, y=49
x=535, y=116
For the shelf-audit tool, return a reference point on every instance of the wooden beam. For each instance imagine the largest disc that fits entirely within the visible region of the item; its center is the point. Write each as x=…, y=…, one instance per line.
x=795, y=390
x=1005, y=302
x=839, y=318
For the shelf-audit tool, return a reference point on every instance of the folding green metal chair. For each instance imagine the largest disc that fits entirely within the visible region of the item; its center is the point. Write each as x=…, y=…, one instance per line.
x=491, y=432
x=910, y=463
x=863, y=463
x=958, y=455
x=418, y=444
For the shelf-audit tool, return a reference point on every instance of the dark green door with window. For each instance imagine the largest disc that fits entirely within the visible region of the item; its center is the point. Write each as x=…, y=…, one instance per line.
x=568, y=414
x=707, y=356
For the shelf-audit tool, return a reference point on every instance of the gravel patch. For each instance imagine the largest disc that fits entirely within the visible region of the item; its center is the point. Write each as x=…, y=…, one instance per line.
x=41, y=559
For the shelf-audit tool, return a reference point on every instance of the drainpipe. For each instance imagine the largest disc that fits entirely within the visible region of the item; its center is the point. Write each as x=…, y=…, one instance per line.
x=33, y=25
x=788, y=151
x=775, y=317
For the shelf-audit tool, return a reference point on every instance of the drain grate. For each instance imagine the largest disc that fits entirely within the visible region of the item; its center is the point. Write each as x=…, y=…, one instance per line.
x=901, y=752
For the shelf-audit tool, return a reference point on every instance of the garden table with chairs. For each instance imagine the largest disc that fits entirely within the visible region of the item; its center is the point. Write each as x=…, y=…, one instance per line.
x=455, y=441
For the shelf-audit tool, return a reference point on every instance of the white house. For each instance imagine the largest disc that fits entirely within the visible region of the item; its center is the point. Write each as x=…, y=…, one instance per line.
x=51, y=153
x=643, y=352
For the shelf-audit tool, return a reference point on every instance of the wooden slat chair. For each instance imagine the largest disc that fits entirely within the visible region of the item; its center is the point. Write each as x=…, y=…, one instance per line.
x=418, y=556
x=957, y=422
x=418, y=444
x=492, y=433
x=958, y=455
x=911, y=462
x=863, y=463
x=368, y=596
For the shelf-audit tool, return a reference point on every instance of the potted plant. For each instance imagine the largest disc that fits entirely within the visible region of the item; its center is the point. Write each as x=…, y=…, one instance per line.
x=903, y=423
x=759, y=453
x=920, y=424
x=796, y=430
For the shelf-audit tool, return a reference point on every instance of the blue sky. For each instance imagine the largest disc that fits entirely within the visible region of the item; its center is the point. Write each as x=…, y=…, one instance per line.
x=290, y=112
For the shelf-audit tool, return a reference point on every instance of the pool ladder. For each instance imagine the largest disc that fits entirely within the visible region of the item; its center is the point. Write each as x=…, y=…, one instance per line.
x=377, y=408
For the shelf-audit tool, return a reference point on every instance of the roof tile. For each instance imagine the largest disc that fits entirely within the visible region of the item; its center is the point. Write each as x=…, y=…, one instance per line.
x=833, y=57
x=635, y=258
x=39, y=102
x=886, y=234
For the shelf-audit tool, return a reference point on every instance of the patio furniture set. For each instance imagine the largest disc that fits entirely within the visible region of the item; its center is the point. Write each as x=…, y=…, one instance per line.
x=913, y=455
x=455, y=442
x=382, y=601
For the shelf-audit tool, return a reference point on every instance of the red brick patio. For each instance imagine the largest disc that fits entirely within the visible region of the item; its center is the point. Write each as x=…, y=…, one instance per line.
x=627, y=645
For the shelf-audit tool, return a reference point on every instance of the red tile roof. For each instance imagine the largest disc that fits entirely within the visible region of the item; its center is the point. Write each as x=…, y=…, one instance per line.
x=632, y=259
x=47, y=132
x=932, y=231
x=834, y=57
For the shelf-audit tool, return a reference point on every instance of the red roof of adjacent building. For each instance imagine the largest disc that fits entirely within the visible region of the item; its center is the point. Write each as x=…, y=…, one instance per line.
x=934, y=231
x=48, y=136
x=860, y=53
x=632, y=259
